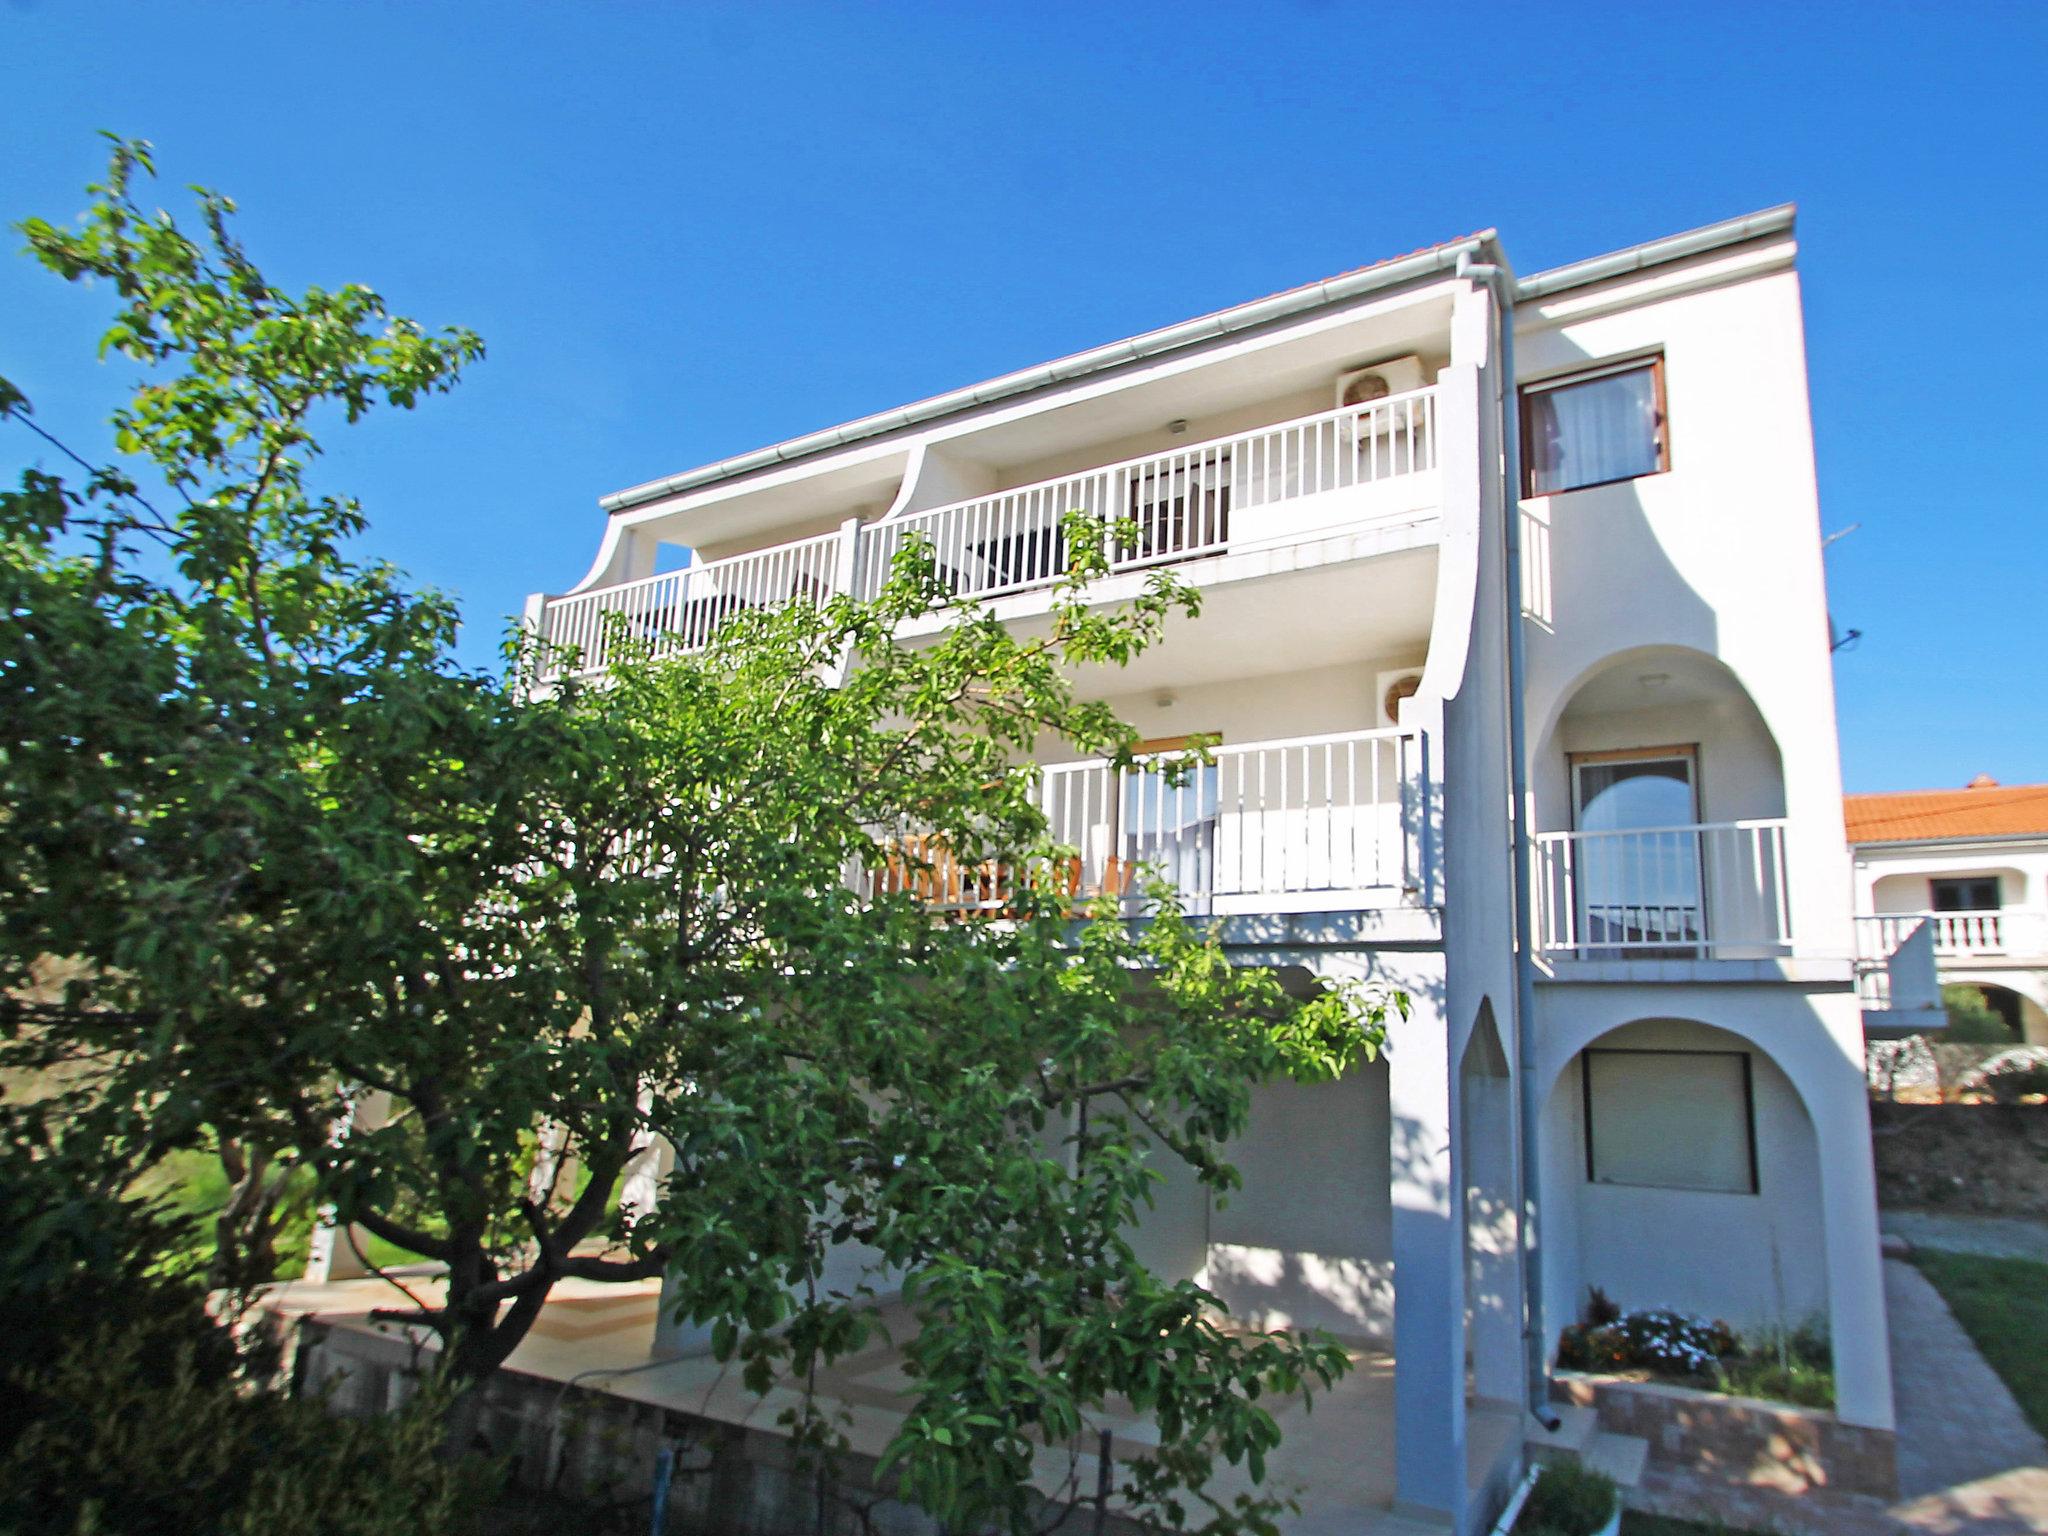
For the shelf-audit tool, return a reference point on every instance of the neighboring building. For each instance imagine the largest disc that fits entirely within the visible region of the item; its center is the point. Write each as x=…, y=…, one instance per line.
x=1970, y=868
x=1679, y=1090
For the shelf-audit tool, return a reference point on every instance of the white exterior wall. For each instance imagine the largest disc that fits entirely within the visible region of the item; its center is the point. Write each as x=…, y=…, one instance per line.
x=1894, y=877
x=1386, y=1205
x=1721, y=555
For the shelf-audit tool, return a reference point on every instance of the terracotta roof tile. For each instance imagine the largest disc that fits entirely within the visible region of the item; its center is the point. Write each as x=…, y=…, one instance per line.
x=1923, y=815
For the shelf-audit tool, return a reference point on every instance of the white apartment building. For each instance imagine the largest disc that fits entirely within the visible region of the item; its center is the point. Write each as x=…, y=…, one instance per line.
x=1961, y=874
x=1515, y=638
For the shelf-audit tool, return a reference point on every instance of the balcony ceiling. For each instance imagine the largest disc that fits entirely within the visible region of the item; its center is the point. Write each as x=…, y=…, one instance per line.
x=1355, y=611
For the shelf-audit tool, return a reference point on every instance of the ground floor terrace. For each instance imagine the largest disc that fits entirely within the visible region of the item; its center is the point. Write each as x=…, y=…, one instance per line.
x=1702, y=1146
x=589, y=1353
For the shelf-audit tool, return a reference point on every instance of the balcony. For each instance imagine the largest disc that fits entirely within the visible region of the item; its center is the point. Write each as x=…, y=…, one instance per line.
x=1713, y=891
x=1269, y=488
x=1316, y=823
x=2003, y=934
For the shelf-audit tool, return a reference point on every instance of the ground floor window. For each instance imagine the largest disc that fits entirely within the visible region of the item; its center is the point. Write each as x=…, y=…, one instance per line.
x=1670, y=1119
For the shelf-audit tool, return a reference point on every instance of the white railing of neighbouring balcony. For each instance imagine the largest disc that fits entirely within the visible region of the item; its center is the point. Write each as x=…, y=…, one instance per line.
x=1993, y=934
x=1202, y=499
x=1715, y=890
x=681, y=610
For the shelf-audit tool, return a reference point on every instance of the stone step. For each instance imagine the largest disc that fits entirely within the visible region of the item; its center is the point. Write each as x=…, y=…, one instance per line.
x=1621, y=1457
x=1575, y=1426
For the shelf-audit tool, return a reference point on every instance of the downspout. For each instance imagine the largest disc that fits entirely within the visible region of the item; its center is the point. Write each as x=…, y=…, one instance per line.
x=1536, y=1382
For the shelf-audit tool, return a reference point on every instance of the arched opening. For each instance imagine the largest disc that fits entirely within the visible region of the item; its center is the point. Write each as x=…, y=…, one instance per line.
x=1493, y=1298
x=1681, y=1169
x=1660, y=802
x=2016, y=1000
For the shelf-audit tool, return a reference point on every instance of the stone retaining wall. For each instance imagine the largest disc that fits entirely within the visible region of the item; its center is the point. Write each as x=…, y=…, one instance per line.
x=1742, y=1439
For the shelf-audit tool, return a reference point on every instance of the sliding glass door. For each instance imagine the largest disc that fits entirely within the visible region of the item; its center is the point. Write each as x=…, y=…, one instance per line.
x=1638, y=879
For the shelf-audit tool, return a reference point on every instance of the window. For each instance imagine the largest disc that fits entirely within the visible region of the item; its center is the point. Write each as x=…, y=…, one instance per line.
x=1968, y=893
x=1167, y=825
x=1595, y=428
x=1670, y=1119
x=1181, y=507
x=1638, y=879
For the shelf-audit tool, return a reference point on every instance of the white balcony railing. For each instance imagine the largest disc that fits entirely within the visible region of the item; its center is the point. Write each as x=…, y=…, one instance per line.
x=1263, y=488
x=1317, y=823
x=680, y=610
x=1715, y=890
x=1999, y=934
x=1197, y=500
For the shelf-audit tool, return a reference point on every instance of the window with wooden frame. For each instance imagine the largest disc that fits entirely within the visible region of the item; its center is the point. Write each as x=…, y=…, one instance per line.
x=1597, y=426
x=1670, y=1119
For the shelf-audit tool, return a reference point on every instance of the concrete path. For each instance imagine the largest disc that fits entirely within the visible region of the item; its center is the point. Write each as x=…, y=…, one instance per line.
x=1995, y=1237
x=1969, y=1463
x=1957, y=1421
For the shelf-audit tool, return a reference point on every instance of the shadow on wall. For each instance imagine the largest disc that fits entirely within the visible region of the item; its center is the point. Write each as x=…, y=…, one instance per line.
x=1674, y=1101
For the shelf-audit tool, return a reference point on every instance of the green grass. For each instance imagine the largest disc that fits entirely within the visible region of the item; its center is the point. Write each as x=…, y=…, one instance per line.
x=2003, y=1307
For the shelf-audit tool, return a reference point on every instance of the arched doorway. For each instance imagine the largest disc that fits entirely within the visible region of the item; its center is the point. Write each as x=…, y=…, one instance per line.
x=1660, y=799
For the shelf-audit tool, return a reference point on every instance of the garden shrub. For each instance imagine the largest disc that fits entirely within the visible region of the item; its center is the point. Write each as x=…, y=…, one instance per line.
x=1793, y=1366
x=1568, y=1500
x=130, y=1410
x=1971, y=1018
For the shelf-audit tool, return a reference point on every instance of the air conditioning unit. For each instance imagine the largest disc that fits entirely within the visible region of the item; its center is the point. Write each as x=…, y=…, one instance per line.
x=1375, y=381
x=1390, y=688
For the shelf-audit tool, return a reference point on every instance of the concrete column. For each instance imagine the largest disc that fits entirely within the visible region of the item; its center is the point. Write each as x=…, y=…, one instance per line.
x=1839, y=1106
x=1429, y=1267
x=1493, y=1281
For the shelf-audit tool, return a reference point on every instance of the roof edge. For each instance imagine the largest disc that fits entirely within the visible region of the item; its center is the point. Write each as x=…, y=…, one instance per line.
x=1222, y=322
x=1660, y=252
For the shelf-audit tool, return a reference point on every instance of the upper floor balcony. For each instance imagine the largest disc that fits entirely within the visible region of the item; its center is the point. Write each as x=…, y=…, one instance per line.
x=1279, y=487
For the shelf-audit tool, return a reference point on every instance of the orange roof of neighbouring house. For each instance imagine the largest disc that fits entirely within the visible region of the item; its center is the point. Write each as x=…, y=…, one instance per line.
x=1985, y=809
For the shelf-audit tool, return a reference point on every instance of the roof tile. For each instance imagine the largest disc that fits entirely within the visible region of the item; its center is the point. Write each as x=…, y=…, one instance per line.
x=1928, y=815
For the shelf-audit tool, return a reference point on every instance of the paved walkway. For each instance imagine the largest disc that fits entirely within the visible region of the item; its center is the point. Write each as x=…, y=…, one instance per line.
x=1969, y=1463
x=1957, y=1422
x=1995, y=1237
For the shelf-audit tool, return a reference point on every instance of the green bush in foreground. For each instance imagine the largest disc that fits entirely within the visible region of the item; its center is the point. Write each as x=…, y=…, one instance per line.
x=128, y=1441
x=1568, y=1500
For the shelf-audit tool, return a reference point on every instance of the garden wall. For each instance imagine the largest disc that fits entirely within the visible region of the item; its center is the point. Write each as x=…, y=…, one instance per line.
x=1743, y=1439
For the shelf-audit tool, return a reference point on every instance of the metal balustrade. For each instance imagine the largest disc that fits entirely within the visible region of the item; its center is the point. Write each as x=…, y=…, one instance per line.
x=682, y=610
x=1188, y=502
x=1344, y=819
x=1712, y=890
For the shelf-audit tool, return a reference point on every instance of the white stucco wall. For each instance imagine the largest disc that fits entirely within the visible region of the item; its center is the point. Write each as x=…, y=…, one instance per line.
x=1748, y=1258
x=1894, y=877
x=1308, y=1241
x=1720, y=555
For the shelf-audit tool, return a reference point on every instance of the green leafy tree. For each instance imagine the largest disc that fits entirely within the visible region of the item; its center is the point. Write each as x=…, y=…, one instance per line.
x=518, y=934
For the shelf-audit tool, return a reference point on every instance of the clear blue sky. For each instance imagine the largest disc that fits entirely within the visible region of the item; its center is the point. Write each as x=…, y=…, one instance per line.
x=686, y=231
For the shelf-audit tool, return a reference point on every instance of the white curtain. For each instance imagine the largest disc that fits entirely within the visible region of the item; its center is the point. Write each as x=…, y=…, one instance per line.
x=1589, y=433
